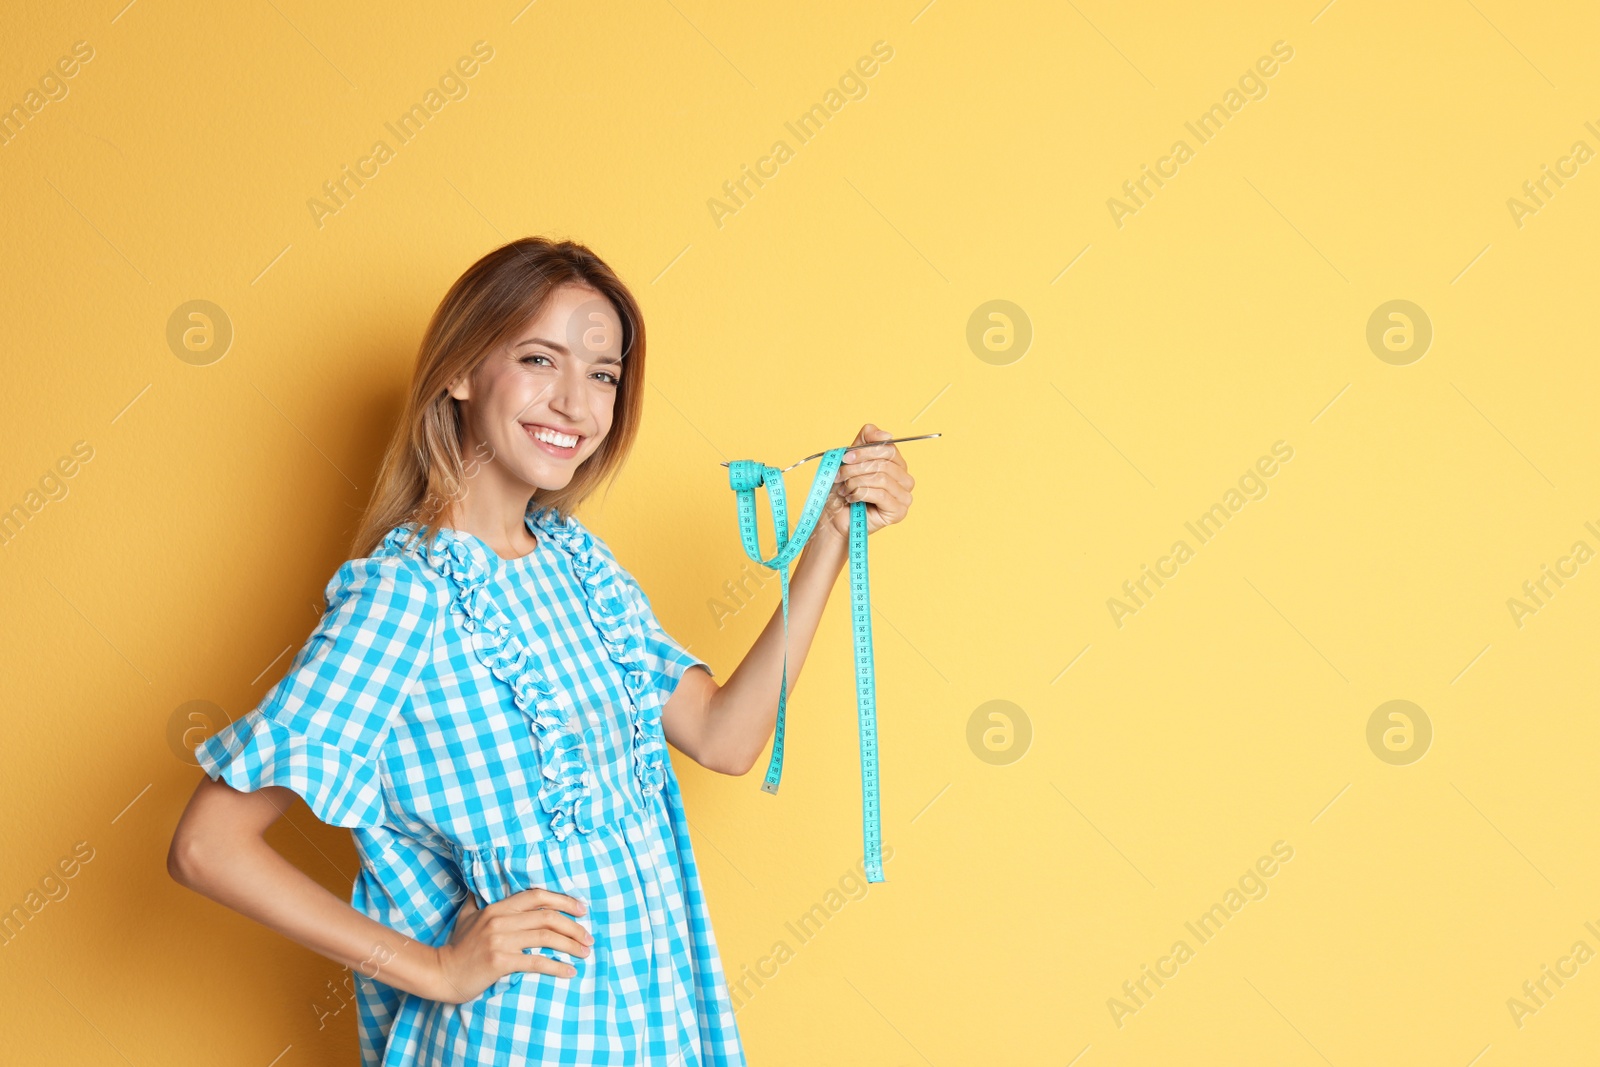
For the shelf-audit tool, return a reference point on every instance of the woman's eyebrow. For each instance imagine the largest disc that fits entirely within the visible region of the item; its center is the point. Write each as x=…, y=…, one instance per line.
x=562, y=349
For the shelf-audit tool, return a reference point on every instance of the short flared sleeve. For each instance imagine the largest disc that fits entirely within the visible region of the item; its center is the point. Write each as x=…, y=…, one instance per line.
x=320, y=729
x=665, y=656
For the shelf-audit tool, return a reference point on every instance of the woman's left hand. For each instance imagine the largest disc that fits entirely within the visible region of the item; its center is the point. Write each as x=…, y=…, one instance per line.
x=872, y=473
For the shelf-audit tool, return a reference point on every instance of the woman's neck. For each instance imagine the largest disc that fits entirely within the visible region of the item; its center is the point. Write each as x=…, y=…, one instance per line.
x=495, y=514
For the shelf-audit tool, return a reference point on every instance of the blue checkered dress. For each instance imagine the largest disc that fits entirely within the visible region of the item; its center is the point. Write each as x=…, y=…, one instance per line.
x=492, y=725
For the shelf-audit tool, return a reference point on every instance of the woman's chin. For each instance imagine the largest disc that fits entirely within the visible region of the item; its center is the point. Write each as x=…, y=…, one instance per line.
x=549, y=478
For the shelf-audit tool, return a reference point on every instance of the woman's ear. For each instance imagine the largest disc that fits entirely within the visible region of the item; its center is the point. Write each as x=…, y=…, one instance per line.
x=460, y=388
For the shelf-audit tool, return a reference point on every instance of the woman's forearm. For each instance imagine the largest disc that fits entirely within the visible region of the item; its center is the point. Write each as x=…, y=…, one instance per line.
x=219, y=852
x=744, y=709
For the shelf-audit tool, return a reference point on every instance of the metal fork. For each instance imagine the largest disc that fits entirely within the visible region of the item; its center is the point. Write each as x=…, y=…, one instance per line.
x=869, y=444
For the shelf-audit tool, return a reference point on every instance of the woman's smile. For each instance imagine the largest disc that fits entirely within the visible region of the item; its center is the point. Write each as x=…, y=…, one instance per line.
x=559, y=443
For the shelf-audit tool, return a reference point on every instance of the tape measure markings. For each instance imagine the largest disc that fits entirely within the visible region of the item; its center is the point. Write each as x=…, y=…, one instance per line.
x=745, y=476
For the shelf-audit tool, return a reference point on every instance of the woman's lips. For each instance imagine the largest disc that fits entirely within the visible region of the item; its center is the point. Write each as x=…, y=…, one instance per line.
x=554, y=450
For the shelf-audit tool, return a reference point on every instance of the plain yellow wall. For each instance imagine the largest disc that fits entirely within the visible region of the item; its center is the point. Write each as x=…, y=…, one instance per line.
x=1048, y=849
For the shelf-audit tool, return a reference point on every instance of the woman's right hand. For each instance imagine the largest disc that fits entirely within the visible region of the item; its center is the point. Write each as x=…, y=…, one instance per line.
x=487, y=944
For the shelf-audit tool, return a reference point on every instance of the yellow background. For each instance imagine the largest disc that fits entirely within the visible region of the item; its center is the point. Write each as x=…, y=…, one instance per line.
x=1229, y=313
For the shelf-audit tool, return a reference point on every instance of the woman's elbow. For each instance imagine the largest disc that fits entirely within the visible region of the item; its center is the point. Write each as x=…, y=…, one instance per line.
x=186, y=857
x=734, y=764
x=212, y=829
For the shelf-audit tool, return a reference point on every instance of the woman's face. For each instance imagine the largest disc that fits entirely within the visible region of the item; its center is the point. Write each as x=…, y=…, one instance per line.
x=556, y=379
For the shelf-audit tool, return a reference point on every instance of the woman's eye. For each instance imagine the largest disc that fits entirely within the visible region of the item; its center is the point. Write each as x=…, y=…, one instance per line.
x=606, y=376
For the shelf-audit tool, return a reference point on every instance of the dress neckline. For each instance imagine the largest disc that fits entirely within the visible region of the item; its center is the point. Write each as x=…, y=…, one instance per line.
x=467, y=562
x=535, y=522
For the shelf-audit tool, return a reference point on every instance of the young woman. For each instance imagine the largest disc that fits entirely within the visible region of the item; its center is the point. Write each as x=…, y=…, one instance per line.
x=487, y=702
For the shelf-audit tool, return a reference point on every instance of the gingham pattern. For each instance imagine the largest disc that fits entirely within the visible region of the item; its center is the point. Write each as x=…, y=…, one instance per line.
x=488, y=726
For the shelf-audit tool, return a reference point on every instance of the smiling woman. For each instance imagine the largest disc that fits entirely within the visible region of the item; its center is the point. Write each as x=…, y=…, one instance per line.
x=542, y=406
x=482, y=704
x=487, y=703
x=538, y=333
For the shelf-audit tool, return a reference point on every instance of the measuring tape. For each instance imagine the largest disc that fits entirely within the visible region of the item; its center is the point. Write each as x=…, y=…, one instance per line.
x=746, y=476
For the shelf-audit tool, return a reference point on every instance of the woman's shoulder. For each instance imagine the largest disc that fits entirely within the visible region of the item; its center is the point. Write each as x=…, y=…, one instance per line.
x=395, y=573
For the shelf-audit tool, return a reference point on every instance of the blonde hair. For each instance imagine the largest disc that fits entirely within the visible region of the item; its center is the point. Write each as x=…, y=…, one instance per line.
x=498, y=296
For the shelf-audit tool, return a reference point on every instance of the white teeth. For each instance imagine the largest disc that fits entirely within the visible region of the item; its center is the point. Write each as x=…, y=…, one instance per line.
x=560, y=440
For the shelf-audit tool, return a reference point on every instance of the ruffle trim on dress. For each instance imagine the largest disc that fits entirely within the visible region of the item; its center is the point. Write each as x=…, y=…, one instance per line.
x=603, y=583
x=563, y=765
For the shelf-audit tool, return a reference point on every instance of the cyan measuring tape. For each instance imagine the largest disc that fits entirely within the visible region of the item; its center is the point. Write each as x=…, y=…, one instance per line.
x=746, y=476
